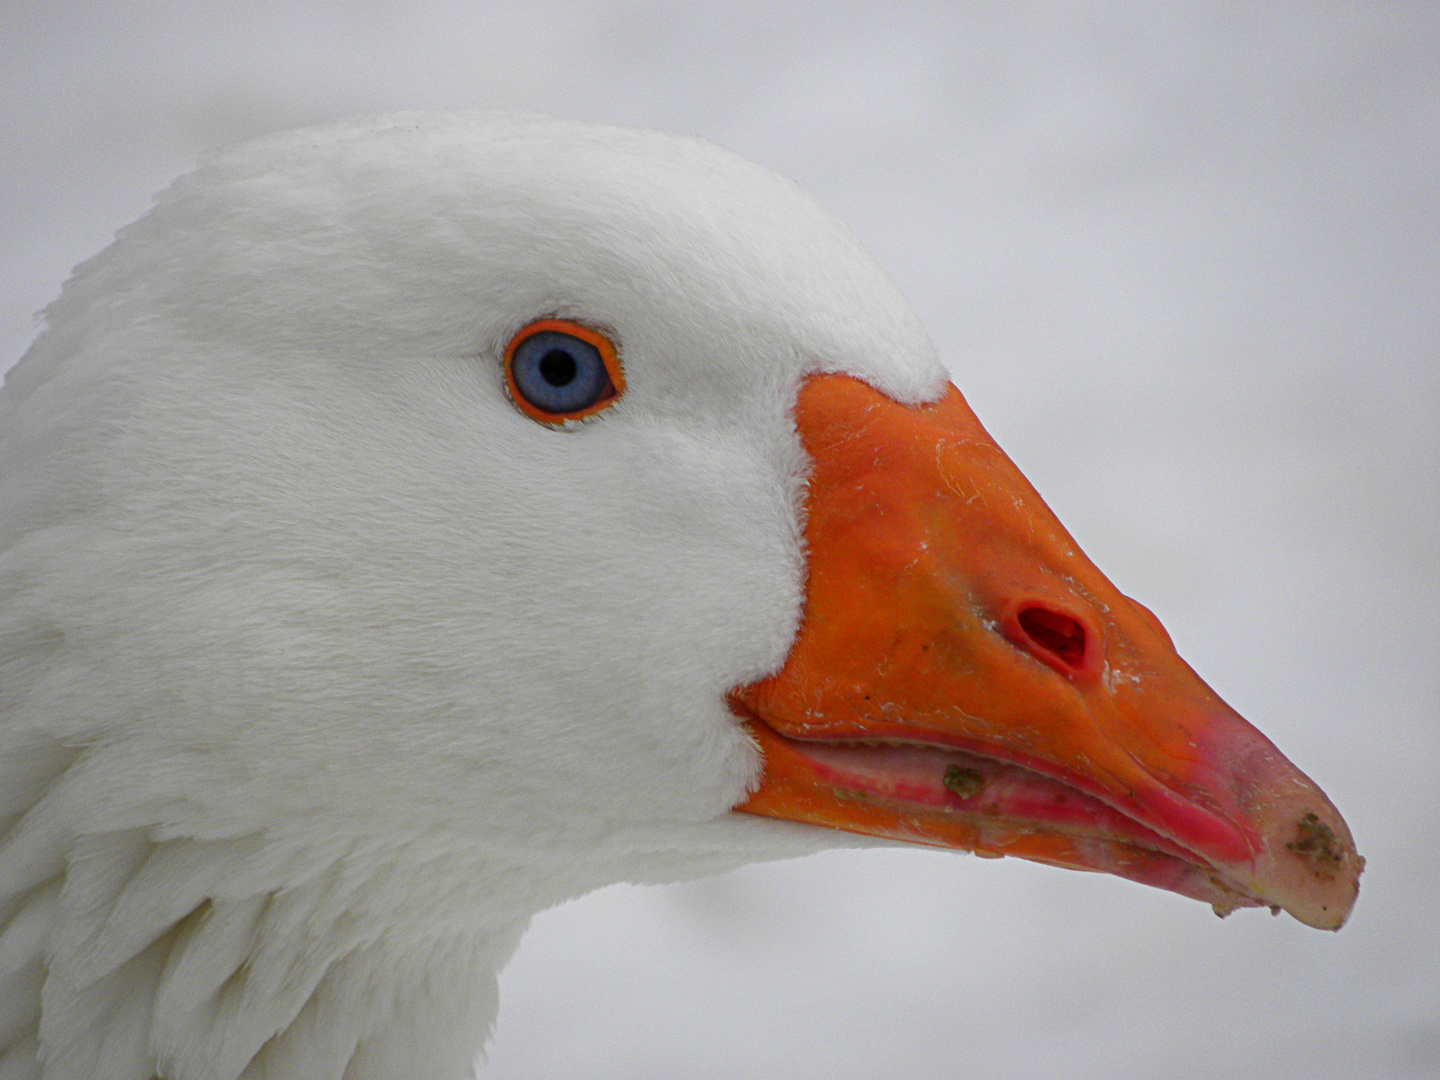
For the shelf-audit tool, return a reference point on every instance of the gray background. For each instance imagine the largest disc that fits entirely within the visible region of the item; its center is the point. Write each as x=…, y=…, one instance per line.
x=1181, y=257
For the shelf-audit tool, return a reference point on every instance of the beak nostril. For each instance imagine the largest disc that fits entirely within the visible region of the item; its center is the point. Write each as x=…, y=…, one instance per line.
x=1059, y=636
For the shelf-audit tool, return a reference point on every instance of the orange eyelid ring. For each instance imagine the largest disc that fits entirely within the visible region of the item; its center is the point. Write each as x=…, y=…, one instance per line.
x=609, y=355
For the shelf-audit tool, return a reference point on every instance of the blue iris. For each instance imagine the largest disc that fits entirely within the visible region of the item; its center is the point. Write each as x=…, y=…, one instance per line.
x=559, y=373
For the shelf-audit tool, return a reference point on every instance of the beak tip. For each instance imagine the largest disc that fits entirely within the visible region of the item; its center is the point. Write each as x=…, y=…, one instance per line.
x=1309, y=867
x=1304, y=859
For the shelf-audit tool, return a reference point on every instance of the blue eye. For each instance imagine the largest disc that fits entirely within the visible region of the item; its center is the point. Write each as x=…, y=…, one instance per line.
x=558, y=370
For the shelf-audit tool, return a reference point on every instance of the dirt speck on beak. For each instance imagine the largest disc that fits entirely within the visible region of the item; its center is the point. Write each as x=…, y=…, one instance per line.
x=966, y=783
x=1315, y=844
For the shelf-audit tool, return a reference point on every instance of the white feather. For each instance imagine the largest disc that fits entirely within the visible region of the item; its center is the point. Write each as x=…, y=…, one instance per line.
x=324, y=668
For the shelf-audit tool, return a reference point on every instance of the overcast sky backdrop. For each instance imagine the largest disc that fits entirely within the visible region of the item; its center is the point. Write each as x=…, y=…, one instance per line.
x=1184, y=260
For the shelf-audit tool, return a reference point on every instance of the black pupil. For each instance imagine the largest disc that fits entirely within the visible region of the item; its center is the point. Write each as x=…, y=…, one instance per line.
x=558, y=367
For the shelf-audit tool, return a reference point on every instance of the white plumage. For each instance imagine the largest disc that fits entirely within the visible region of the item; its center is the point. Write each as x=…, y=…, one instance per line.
x=323, y=668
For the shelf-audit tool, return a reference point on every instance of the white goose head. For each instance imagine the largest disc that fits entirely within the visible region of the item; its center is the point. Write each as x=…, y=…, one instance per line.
x=324, y=664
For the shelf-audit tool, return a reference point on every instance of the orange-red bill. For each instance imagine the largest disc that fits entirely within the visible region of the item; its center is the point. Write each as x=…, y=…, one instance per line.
x=964, y=676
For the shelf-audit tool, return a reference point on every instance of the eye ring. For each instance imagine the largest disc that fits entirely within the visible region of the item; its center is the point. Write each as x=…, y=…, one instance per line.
x=558, y=372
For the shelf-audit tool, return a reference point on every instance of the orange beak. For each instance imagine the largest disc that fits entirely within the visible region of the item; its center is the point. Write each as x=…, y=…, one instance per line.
x=965, y=677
